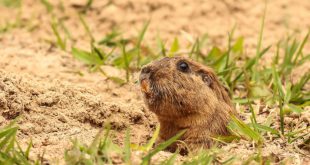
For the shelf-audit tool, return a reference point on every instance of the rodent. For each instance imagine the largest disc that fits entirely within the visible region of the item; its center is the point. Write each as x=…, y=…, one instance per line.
x=185, y=94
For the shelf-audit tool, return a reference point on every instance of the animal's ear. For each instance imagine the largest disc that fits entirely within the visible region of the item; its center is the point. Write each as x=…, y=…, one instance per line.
x=206, y=77
x=209, y=77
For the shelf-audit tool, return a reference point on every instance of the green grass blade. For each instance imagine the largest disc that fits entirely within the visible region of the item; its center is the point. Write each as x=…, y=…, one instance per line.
x=93, y=148
x=127, y=150
x=8, y=135
x=126, y=62
x=65, y=29
x=230, y=36
x=252, y=112
x=278, y=88
x=86, y=57
x=297, y=96
x=98, y=52
x=250, y=63
x=288, y=93
x=109, y=39
x=87, y=6
x=20, y=155
x=174, y=47
x=229, y=160
x=86, y=27
x=238, y=46
x=299, y=52
x=49, y=7
x=304, y=59
x=239, y=128
x=194, y=49
x=277, y=82
x=107, y=133
x=11, y=142
x=27, y=152
x=146, y=159
x=139, y=42
x=260, y=38
x=151, y=142
x=161, y=46
x=281, y=115
x=254, y=74
x=295, y=108
x=60, y=42
x=11, y=3
x=267, y=129
x=117, y=80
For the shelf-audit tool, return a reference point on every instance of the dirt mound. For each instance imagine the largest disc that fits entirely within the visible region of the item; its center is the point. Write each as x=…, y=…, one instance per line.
x=52, y=113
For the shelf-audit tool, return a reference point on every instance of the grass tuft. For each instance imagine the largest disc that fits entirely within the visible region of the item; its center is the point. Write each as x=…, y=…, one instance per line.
x=10, y=150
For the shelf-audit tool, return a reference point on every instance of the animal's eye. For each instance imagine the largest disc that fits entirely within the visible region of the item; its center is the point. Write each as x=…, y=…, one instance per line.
x=183, y=66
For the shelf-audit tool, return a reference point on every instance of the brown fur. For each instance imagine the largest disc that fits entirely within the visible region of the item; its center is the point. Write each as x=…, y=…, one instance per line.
x=183, y=100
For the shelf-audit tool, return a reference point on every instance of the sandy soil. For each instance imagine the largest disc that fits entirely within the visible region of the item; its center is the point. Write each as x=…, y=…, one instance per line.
x=38, y=82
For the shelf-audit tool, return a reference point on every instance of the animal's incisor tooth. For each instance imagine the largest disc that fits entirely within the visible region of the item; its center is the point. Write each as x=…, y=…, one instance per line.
x=145, y=86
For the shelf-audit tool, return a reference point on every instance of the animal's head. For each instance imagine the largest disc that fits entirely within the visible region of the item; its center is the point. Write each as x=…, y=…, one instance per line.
x=179, y=86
